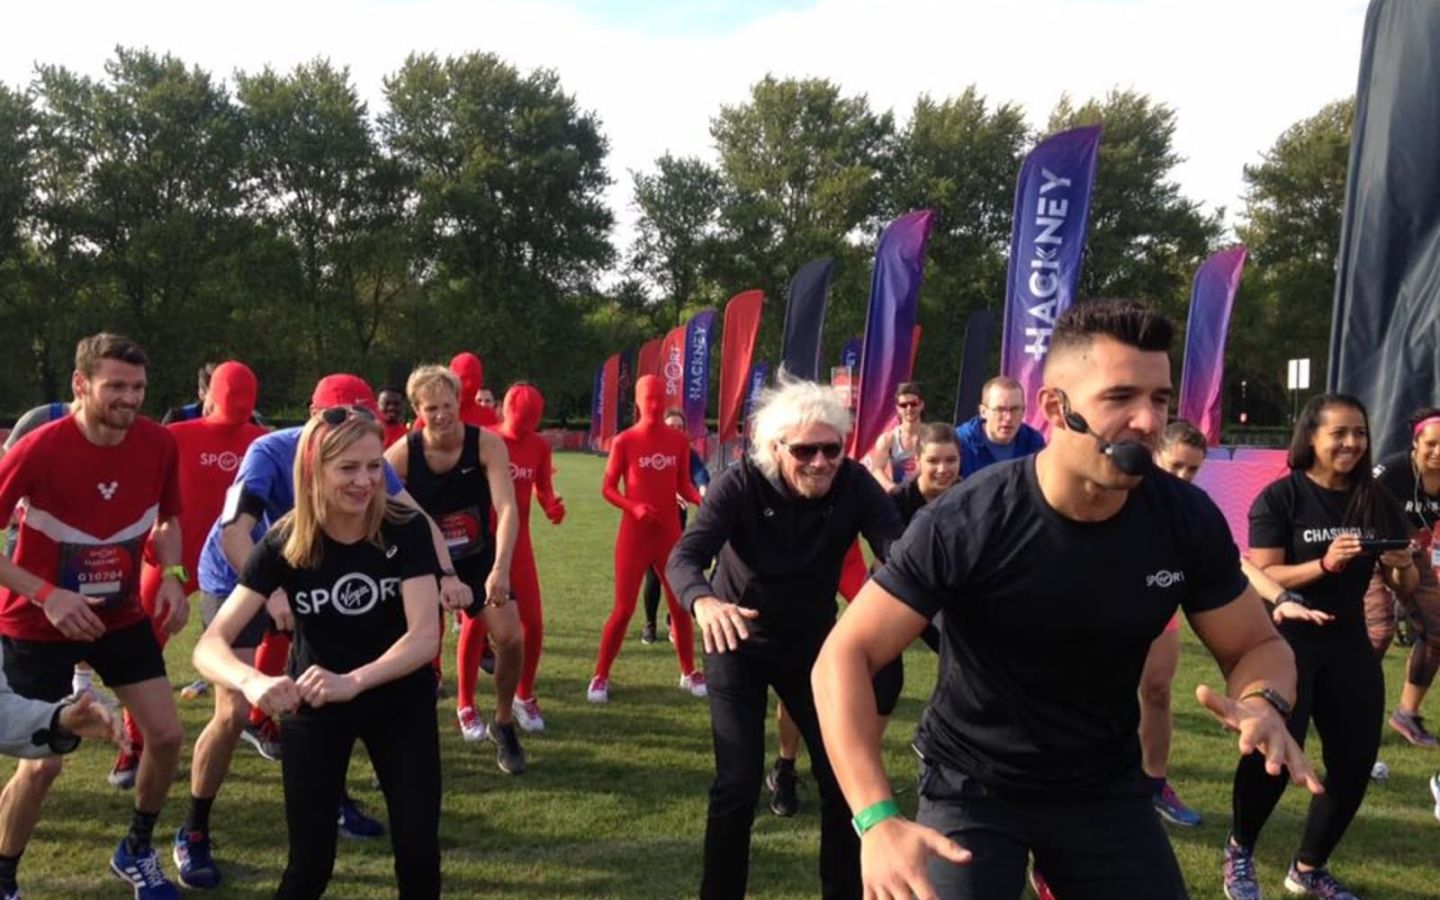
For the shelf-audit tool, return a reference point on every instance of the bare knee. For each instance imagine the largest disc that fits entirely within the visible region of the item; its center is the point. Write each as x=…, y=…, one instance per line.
x=232, y=712
x=39, y=774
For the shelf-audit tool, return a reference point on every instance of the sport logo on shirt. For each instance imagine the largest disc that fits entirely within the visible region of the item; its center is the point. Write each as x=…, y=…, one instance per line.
x=108, y=490
x=657, y=461
x=225, y=462
x=1164, y=579
x=353, y=594
x=522, y=473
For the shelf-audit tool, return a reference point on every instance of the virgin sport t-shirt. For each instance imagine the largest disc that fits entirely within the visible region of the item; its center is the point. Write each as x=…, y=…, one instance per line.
x=349, y=610
x=89, y=511
x=1048, y=622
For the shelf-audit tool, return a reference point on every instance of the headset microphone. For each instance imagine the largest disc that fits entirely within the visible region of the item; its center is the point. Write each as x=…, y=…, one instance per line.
x=1130, y=457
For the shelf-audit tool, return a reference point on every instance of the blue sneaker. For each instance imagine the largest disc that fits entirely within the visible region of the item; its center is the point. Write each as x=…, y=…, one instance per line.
x=1240, y=882
x=193, y=863
x=1317, y=882
x=355, y=824
x=1172, y=810
x=142, y=872
x=10, y=893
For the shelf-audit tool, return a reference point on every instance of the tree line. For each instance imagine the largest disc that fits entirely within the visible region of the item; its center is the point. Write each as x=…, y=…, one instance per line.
x=277, y=219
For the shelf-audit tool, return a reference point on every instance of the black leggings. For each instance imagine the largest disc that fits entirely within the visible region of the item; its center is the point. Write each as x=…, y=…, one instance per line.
x=739, y=686
x=400, y=734
x=1342, y=687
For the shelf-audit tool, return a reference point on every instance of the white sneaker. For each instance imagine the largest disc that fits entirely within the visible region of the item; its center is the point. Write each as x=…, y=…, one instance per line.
x=599, y=690
x=527, y=714
x=1435, y=792
x=694, y=683
x=472, y=727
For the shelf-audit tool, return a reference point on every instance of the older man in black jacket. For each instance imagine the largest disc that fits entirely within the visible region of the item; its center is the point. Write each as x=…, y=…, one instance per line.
x=780, y=522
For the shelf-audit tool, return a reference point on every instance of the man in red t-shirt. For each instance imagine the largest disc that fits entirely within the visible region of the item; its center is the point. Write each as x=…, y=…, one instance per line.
x=209, y=451
x=392, y=414
x=96, y=484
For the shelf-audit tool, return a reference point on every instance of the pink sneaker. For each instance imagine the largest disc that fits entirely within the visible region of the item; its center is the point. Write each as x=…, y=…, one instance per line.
x=599, y=690
x=527, y=714
x=472, y=727
x=694, y=683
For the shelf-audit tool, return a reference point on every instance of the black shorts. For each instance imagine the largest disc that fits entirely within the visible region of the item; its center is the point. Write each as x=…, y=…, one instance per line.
x=43, y=670
x=251, y=635
x=472, y=571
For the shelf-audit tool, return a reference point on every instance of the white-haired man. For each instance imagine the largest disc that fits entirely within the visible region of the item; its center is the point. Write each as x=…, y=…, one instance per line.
x=780, y=523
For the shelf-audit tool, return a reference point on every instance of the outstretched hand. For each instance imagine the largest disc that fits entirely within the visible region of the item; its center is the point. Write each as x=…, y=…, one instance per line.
x=1261, y=729
x=893, y=856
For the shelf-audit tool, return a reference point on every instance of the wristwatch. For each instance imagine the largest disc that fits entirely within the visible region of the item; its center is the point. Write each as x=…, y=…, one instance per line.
x=1291, y=597
x=1272, y=697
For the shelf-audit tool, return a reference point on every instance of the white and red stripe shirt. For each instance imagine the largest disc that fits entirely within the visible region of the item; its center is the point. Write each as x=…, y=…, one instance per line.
x=88, y=512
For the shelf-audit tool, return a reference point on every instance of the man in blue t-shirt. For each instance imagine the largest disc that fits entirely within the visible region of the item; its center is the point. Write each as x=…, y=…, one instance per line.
x=999, y=432
x=264, y=491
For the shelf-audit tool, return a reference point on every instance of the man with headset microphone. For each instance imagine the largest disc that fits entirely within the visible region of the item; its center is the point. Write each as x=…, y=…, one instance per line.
x=1079, y=558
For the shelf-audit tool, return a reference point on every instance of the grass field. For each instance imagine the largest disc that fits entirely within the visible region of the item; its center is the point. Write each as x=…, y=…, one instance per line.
x=614, y=802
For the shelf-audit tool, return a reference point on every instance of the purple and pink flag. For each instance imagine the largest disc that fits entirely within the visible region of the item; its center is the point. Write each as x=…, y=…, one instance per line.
x=1211, y=299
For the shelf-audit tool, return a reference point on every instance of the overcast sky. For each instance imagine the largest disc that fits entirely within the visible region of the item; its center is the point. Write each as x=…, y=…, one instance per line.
x=1237, y=72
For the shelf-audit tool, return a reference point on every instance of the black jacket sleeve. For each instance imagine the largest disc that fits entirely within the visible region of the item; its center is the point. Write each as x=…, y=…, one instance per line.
x=703, y=539
x=879, y=519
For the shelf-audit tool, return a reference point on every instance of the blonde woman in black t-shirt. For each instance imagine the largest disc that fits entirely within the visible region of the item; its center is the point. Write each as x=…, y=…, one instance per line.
x=360, y=573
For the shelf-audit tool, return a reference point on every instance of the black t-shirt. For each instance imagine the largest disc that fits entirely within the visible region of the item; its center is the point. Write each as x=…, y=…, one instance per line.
x=1302, y=518
x=1048, y=622
x=908, y=500
x=1397, y=474
x=459, y=502
x=348, y=611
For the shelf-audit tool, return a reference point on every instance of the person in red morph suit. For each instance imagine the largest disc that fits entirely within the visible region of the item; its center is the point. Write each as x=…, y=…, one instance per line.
x=530, y=468
x=471, y=372
x=653, y=460
x=210, y=450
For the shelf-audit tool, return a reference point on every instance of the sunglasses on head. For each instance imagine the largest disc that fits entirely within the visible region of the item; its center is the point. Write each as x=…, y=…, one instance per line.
x=336, y=415
x=806, y=452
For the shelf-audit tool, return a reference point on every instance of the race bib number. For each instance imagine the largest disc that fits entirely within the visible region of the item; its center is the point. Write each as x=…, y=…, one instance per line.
x=462, y=532
x=110, y=572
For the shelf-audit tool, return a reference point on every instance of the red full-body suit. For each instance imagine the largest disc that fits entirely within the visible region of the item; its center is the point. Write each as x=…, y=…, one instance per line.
x=653, y=461
x=530, y=469
x=210, y=450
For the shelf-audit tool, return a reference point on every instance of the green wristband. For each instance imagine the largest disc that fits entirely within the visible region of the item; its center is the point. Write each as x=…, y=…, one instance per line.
x=873, y=815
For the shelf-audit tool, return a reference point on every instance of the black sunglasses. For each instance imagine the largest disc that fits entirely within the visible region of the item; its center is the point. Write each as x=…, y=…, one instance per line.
x=806, y=452
x=907, y=404
x=336, y=415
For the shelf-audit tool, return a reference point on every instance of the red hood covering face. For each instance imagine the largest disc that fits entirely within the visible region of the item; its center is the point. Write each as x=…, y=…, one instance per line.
x=650, y=398
x=233, y=388
x=471, y=372
x=523, y=407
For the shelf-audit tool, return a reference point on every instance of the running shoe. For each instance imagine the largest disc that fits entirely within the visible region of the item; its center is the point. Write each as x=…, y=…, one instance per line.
x=10, y=894
x=694, y=683
x=647, y=634
x=784, y=789
x=193, y=862
x=527, y=713
x=265, y=738
x=472, y=727
x=599, y=690
x=355, y=824
x=1435, y=792
x=1240, y=880
x=1038, y=885
x=195, y=689
x=508, y=755
x=122, y=776
x=1412, y=728
x=143, y=873
x=1317, y=882
x=1173, y=810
